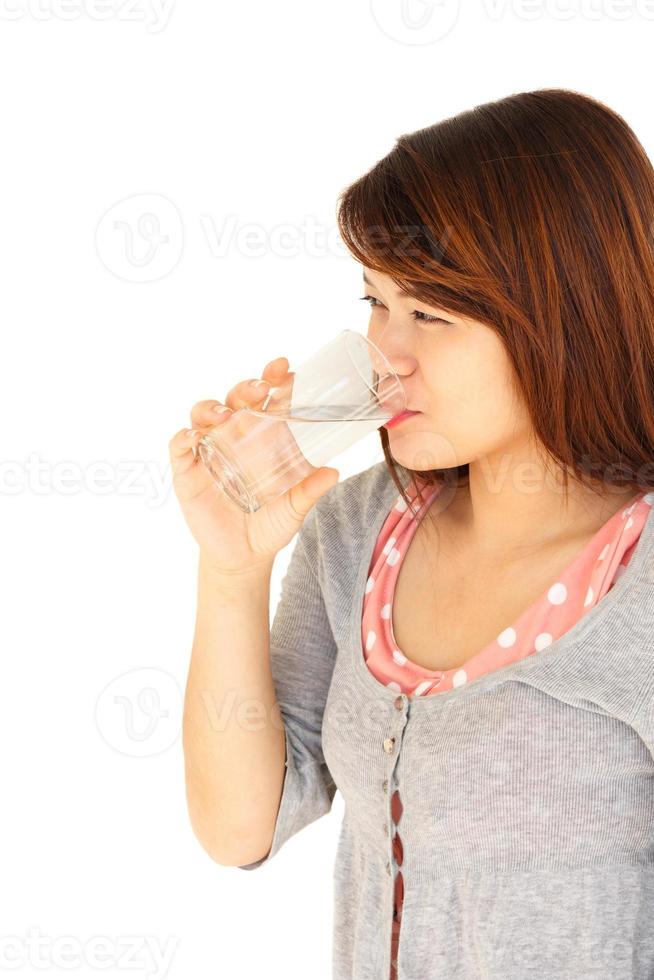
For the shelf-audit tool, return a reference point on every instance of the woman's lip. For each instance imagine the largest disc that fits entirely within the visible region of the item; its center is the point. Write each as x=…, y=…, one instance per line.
x=399, y=418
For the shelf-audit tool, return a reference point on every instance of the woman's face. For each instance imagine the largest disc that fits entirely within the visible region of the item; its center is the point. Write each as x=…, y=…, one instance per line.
x=456, y=373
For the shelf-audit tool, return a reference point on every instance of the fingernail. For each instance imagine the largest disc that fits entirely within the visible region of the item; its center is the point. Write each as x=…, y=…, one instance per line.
x=218, y=409
x=256, y=384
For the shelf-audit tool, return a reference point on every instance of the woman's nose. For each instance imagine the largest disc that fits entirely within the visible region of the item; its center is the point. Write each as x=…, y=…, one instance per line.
x=401, y=364
x=395, y=371
x=393, y=345
x=389, y=352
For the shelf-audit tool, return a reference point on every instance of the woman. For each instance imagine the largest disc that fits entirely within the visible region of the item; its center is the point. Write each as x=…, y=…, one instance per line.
x=466, y=651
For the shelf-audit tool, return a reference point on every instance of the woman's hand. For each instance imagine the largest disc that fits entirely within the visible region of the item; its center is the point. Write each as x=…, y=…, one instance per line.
x=231, y=541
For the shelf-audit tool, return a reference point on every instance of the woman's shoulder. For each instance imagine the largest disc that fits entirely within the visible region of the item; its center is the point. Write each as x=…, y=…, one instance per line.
x=355, y=504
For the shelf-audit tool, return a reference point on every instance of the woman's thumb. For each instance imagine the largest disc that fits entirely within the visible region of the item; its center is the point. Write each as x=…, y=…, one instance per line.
x=323, y=480
x=305, y=494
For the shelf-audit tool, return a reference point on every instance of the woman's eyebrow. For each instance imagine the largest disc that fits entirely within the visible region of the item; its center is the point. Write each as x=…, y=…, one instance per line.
x=403, y=292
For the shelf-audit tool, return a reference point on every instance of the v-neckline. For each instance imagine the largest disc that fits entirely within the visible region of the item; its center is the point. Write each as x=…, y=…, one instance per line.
x=528, y=610
x=585, y=625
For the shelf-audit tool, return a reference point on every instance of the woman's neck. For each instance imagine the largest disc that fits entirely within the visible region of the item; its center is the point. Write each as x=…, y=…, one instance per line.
x=504, y=519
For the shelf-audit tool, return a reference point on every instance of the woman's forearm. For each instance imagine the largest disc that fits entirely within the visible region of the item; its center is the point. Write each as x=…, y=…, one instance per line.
x=233, y=736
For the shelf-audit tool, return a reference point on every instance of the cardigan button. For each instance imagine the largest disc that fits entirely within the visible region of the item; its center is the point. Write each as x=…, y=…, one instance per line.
x=399, y=702
x=385, y=785
x=388, y=868
x=389, y=744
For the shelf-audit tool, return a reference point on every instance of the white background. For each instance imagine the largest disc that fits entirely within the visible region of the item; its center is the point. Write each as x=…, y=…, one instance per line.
x=234, y=127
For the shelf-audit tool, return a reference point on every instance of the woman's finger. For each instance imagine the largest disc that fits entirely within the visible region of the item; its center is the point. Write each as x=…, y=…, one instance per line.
x=250, y=393
x=181, y=449
x=209, y=412
x=274, y=368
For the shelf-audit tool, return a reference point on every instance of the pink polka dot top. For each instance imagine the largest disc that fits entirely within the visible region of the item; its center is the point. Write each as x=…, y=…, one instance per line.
x=581, y=586
x=586, y=579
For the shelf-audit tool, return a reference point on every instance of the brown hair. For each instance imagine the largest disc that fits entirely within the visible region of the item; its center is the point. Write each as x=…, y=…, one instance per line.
x=534, y=215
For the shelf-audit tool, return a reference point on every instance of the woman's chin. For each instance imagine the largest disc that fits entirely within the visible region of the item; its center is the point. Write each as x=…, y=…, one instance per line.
x=422, y=451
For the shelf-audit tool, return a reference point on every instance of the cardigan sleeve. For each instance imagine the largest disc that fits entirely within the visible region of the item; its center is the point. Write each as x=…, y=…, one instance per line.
x=302, y=656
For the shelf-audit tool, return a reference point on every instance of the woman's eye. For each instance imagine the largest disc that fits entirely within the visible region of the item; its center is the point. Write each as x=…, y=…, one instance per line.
x=428, y=318
x=416, y=314
x=370, y=299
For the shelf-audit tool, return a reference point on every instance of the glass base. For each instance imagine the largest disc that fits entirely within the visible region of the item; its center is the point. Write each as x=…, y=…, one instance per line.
x=227, y=476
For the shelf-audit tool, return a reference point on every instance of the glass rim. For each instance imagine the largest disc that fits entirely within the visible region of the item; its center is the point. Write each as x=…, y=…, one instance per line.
x=393, y=374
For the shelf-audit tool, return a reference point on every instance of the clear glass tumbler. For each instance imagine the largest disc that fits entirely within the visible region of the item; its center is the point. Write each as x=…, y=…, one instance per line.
x=340, y=394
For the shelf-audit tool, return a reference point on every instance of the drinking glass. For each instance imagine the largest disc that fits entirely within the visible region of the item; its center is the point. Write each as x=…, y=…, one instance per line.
x=340, y=394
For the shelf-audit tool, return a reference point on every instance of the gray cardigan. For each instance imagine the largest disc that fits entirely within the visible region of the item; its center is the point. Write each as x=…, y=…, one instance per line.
x=528, y=793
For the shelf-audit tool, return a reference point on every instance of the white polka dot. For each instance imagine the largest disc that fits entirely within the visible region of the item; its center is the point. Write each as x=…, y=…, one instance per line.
x=389, y=544
x=649, y=498
x=507, y=637
x=542, y=640
x=393, y=557
x=630, y=522
x=394, y=686
x=386, y=611
x=370, y=584
x=557, y=594
x=401, y=505
x=590, y=595
x=603, y=553
x=370, y=640
x=398, y=657
x=459, y=678
x=422, y=687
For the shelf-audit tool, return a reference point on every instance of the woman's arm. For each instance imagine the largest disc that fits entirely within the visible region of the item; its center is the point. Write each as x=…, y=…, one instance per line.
x=234, y=742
